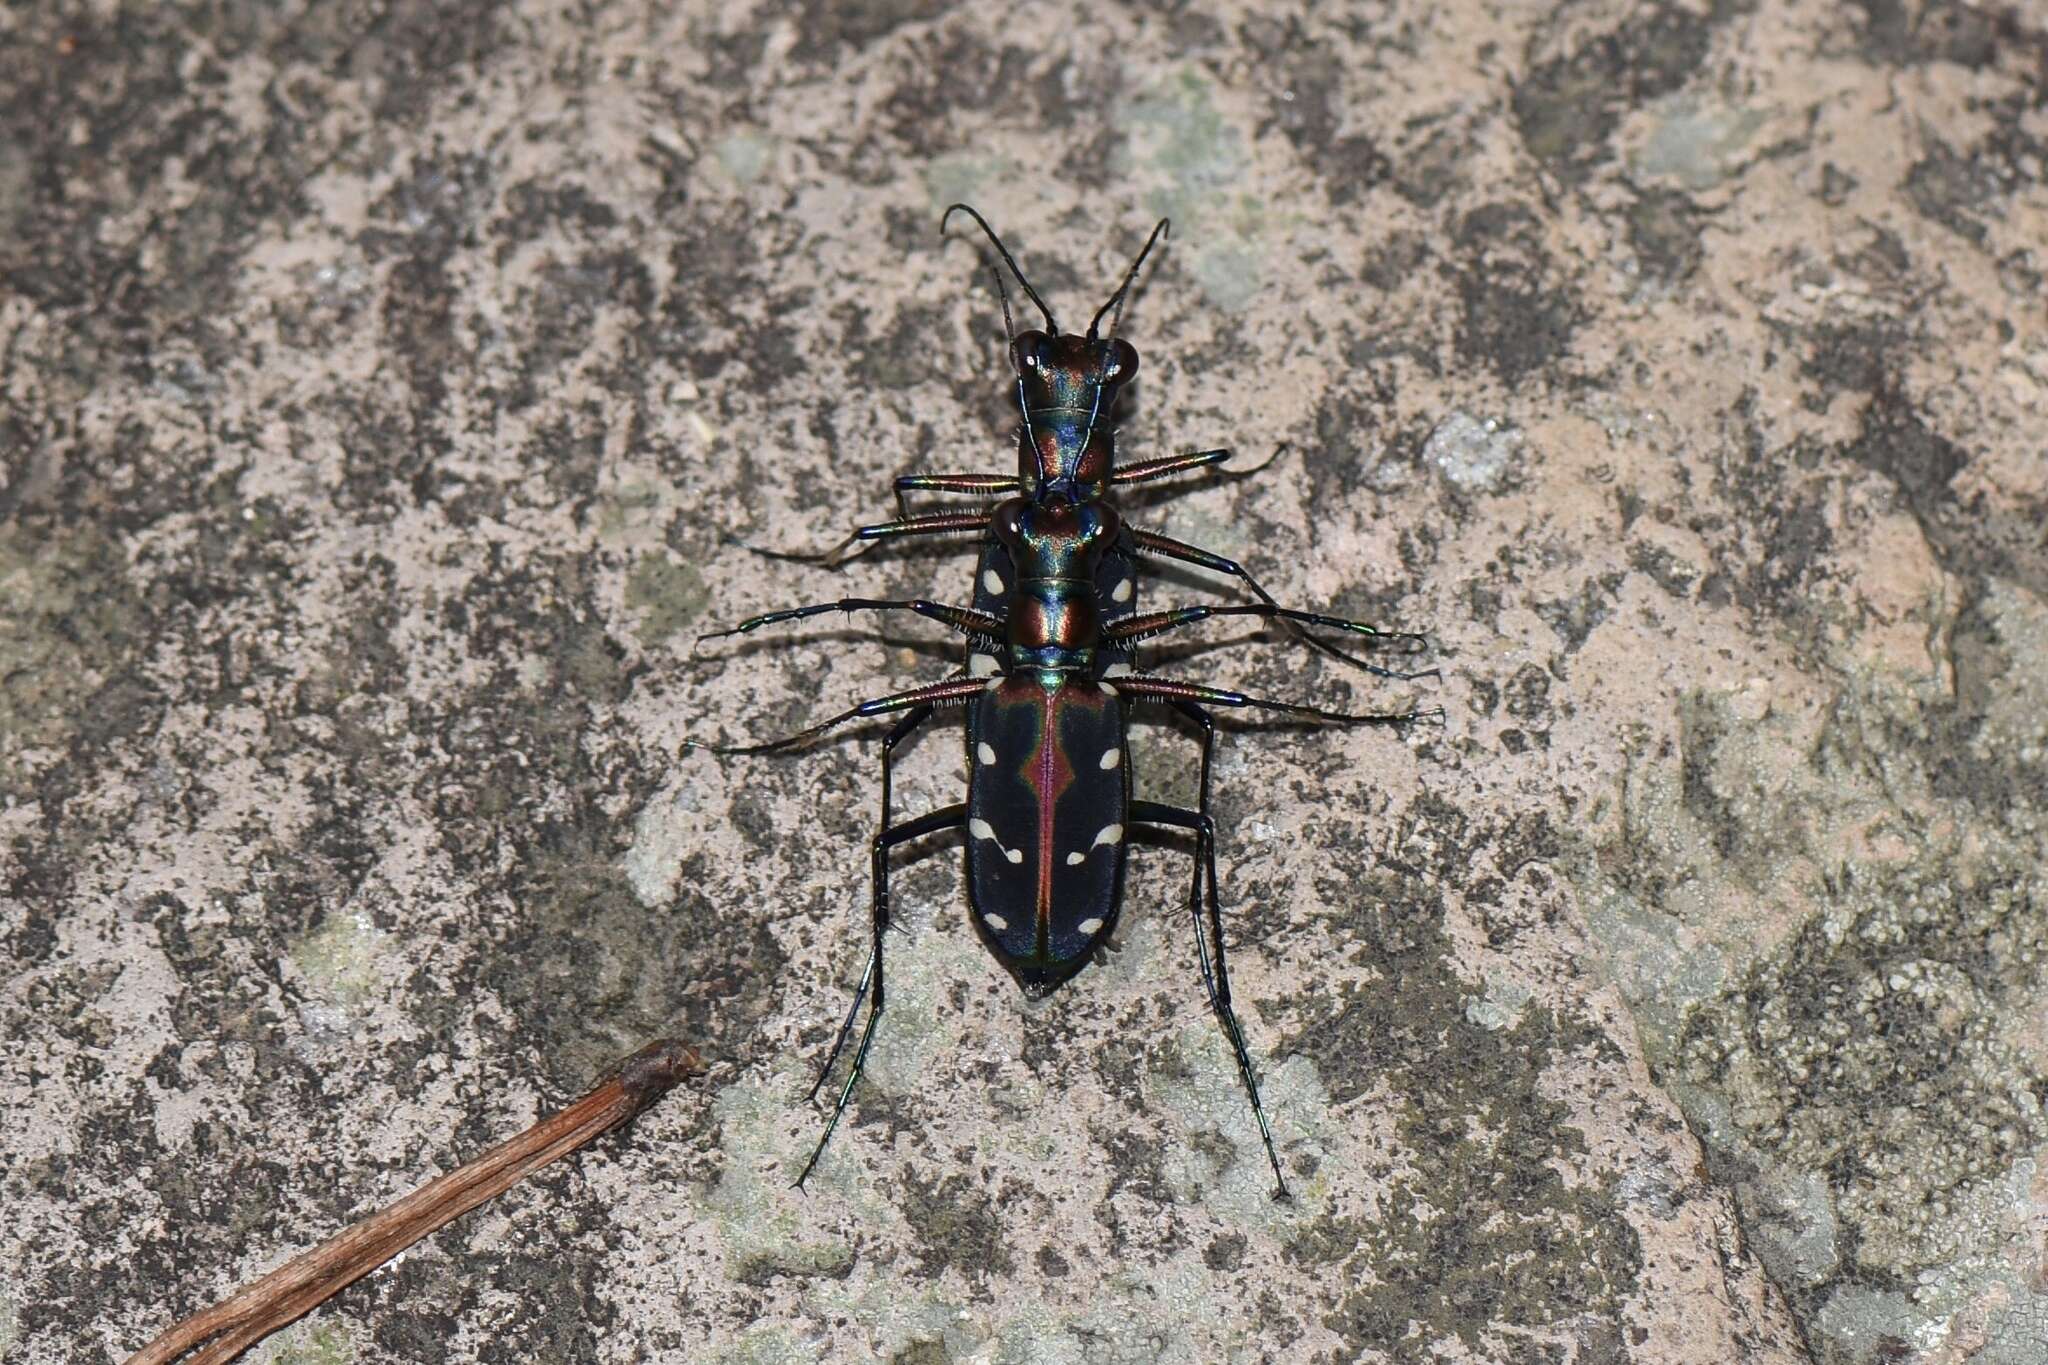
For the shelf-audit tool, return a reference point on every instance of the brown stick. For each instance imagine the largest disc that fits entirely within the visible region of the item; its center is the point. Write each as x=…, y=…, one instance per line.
x=308, y=1280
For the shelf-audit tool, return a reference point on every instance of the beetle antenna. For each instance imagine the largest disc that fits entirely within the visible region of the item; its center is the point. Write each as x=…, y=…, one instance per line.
x=1003, y=293
x=1116, y=300
x=1009, y=260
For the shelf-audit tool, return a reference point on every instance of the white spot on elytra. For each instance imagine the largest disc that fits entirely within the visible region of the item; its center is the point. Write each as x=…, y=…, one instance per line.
x=1117, y=670
x=995, y=922
x=993, y=581
x=1122, y=591
x=985, y=752
x=981, y=665
x=1091, y=925
x=1107, y=690
x=981, y=829
x=1108, y=834
x=1110, y=758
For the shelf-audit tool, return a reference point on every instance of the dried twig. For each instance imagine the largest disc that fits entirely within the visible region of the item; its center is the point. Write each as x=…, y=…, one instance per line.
x=304, y=1282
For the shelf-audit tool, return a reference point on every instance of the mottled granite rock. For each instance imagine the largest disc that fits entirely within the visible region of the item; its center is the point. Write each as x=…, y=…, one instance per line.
x=381, y=383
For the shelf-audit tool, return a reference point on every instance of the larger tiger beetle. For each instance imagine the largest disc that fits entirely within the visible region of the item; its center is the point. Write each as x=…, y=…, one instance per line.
x=1050, y=681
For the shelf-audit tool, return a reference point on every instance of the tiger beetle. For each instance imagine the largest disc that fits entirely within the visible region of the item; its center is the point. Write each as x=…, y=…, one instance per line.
x=1050, y=680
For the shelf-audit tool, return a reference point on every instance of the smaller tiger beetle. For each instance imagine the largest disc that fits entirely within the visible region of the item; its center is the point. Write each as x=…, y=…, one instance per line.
x=1048, y=687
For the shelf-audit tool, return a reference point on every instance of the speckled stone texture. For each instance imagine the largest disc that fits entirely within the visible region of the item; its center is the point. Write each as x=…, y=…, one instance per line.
x=382, y=382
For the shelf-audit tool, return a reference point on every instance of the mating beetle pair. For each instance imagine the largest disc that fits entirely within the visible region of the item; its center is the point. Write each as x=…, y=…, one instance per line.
x=1050, y=680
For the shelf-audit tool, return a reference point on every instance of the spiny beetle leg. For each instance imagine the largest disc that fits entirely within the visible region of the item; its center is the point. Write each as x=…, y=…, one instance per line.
x=860, y=994
x=1158, y=622
x=1207, y=726
x=1170, y=690
x=929, y=524
x=1152, y=542
x=926, y=524
x=950, y=818
x=981, y=485
x=896, y=736
x=1218, y=987
x=960, y=618
x=829, y=559
x=904, y=729
x=1143, y=471
x=951, y=691
x=1215, y=970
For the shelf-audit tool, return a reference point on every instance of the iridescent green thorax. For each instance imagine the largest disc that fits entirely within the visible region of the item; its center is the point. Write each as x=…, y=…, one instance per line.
x=1067, y=387
x=1055, y=546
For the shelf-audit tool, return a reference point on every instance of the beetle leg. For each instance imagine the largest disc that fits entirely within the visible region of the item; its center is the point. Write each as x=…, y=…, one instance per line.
x=1151, y=542
x=1159, y=622
x=1170, y=690
x=1215, y=970
x=1207, y=725
x=949, y=818
x=960, y=618
x=983, y=485
x=929, y=524
x=946, y=693
x=1143, y=471
x=860, y=994
x=903, y=731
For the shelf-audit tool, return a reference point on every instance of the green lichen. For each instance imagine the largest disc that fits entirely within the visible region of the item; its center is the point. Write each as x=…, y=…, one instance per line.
x=1502, y=1223
x=1696, y=144
x=1228, y=274
x=339, y=959
x=69, y=621
x=600, y=975
x=744, y=155
x=765, y=1233
x=1213, y=1149
x=1833, y=935
x=960, y=177
x=1180, y=141
x=1159, y=1315
x=907, y=1320
x=317, y=1346
x=767, y=1346
x=1501, y=1006
x=1874, y=1046
x=1178, y=133
x=1492, y=1234
x=667, y=596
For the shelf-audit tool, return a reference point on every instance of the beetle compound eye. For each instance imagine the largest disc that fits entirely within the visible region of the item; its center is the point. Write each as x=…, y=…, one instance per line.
x=1026, y=352
x=1123, y=362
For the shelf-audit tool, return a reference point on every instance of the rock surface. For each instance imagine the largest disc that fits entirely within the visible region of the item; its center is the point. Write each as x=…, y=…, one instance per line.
x=383, y=382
